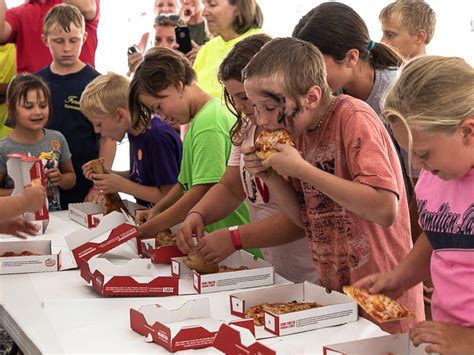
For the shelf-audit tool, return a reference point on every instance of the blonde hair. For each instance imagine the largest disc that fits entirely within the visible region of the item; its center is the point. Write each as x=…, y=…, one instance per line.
x=433, y=94
x=414, y=15
x=63, y=15
x=297, y=65
x=104, y=95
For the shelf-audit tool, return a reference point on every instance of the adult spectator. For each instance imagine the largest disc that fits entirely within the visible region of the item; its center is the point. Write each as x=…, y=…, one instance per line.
x=23, y=25
x=230, y=21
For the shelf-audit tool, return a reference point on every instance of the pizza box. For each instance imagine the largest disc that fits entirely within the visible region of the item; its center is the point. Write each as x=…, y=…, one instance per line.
x=260, y=273
x=396, y=344
x=27, y=171
x=45, y=262
x=189, y=326
x=87, y=214
x=161, y=254
x=234, y=339
x=336, y=309
x=135, y=277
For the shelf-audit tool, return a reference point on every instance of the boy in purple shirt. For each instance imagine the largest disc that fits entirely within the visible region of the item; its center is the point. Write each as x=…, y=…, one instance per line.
x=155, y=151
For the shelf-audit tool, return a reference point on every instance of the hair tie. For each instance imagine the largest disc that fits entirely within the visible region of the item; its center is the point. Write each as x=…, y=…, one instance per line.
x=371, y=45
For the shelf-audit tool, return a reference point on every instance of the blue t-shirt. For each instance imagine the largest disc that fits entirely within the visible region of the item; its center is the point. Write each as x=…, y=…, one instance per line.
x=155, y=156
x=66, y=91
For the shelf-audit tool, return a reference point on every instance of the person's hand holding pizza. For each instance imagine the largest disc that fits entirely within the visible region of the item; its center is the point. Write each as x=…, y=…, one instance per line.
x=192, y=227
x=216, y=246
x=287, y=161
x=141, y=216
x=443, y=338
x=34, y=197
x=387, y=283
x=109, y=183
x=253, y=164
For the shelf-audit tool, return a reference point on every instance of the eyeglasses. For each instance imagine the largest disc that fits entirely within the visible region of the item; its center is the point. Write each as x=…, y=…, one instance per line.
x=164, y=20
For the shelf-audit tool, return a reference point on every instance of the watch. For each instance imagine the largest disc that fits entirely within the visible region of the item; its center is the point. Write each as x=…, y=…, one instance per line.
x=235, y=237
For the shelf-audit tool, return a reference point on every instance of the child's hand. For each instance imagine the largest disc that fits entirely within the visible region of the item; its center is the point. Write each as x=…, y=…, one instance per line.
x=94, y=196
x=216, y=246
x=108, y=183
x=287, y=162
x=18, y=225
x=141, y=216
x=87, y=171
x=34, y=197
x=253, y=164
x=193, y=226
x=192, y=54
x=54, y=176
x=443, y=338
x=384, y=282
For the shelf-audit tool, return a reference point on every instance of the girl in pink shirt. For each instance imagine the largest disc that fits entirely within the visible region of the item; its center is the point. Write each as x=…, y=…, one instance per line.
x=431, y=111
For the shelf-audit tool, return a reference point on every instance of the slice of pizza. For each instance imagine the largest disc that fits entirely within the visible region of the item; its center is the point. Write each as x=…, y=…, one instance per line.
x=195, y=262
x=165, y=238
x=382, y=308
x=258, y=312
x=266, y=139
x=112, y=202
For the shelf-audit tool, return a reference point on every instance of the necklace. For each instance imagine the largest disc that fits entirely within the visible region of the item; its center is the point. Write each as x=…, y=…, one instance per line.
x=325, y=116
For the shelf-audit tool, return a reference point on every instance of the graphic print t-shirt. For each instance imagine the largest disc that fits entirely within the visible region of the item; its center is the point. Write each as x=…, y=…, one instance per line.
x=446, y=210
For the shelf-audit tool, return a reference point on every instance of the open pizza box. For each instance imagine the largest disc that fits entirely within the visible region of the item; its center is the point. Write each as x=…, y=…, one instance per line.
x=29, y=171
x=336, y=308
x=259, y=273
x=190, y=326
x=89, y=214
x=43, y=259
x=108, y=259
x=234, y=339
x=396, y=344
x=159, y=254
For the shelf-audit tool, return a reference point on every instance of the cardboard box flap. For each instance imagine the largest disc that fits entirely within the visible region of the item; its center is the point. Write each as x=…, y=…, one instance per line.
x=87, y=207
x=111, y=233
x=111, y=267
x=233, y=339
x=244, y=258
x=397, y=344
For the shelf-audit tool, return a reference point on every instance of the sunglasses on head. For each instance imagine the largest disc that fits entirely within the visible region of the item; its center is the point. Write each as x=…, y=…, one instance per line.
x=172, y=19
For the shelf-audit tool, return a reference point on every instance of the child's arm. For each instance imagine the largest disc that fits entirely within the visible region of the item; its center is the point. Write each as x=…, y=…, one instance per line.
x=87, y=7
x=168, y=200
x=5, y=28
x=111, y=183
x=63, y=177
x=222, y=199
x=31, y=200
x=175, y=213
x=281, y=190
x=374, y=204
x=107, y=149
x=413, y=269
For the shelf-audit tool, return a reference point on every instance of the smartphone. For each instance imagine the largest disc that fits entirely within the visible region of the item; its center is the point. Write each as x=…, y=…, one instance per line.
x=131, y=50
x=183, y=38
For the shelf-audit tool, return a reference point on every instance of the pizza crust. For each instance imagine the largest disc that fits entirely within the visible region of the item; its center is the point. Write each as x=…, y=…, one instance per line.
x=257, y=312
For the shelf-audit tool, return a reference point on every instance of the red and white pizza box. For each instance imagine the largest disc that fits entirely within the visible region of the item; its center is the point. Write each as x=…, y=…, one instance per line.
x=188, y=327
x=235, y=339
x=28, y=171
x=131, y=278
x=260, y=273
x=87, y=214
x=396, y=344
x=44, y=262
x=159, y=255
x=337, y=308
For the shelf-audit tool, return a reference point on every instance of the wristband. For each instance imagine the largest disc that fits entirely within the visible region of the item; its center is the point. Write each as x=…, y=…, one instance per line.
x=196, y=212
x=235, y=237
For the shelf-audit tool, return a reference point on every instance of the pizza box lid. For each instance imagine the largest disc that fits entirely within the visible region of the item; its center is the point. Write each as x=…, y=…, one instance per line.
x=113, y=233
x=396, y=344
x=87, y=214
